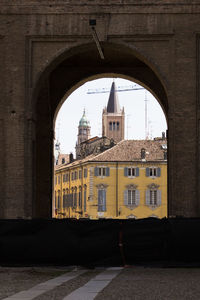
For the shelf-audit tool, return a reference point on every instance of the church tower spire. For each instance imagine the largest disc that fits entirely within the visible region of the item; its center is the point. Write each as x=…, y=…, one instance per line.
x=113, y=117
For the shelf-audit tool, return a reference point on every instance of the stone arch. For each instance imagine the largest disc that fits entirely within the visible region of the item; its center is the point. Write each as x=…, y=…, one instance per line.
x=64, y=74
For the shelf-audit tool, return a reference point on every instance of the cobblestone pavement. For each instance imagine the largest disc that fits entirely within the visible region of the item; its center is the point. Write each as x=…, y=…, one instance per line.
x=137, y=283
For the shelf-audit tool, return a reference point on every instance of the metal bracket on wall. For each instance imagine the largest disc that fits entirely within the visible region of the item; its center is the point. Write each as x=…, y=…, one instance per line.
x=92, y=24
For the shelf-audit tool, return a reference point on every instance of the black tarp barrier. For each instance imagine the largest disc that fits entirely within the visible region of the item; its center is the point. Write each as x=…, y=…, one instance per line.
x=100, y=243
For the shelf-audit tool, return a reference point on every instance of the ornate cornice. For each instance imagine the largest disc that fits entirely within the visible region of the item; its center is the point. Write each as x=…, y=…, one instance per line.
x=131, y=187
x=102, y=186
x=153, y=186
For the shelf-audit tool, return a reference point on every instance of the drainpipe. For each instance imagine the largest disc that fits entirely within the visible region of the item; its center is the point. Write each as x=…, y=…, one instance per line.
x=117, y=204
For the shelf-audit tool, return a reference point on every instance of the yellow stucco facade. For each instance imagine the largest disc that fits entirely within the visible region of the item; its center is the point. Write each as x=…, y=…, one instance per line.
x=111, y=189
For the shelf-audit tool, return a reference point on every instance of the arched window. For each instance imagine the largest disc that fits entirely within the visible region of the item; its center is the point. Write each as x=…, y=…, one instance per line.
x=117, y=126
x=110, y=126
x=114, y=126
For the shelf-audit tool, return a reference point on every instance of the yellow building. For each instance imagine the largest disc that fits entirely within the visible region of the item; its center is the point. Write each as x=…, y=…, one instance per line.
x=128, y=180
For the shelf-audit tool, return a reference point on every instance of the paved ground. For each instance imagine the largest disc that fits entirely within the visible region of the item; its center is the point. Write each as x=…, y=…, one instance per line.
x=70, y=283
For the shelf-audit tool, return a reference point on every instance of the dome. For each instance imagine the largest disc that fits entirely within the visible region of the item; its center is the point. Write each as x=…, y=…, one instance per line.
x=84, y=121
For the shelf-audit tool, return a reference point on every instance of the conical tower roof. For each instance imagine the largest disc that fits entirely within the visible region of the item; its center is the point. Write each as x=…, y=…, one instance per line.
x=84, y=121
x=113, y=102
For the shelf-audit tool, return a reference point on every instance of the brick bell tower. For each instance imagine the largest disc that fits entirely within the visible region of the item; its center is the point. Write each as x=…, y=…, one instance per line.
x=113, y=117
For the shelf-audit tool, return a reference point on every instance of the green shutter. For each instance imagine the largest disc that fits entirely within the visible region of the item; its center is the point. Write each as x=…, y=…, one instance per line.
x=126, y=197
x=158, y=172
x=137, y=171
x=126, y=171
x=137, y=197
x=147, y=200
x=107, y=171
x=104, y=200
x=147, y=172
x=100, y=197
x=159, y=198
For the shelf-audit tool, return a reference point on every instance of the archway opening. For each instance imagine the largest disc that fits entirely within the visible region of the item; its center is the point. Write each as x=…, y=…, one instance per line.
x=66, y=73
x=110, y=153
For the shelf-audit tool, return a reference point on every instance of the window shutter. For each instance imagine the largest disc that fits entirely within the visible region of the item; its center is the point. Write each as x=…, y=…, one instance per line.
x=99, y=199
x=95, y=171
x=137, y=172
x=104, y=200
x=126, y=197
x=126, y=172
x=158, y=172
x=147, y=172
x=137, y=197
x=159, y=197
x=107, y=171
x=147, y=197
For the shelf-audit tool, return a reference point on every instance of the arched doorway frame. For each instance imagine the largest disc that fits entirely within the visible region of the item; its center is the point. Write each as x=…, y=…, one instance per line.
x=44, y=95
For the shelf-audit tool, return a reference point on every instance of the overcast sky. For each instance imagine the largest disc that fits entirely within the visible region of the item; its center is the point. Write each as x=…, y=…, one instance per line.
x=68, y=117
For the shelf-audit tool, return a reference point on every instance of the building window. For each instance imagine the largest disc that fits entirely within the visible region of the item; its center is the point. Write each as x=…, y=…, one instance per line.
x=131, y=172
x=80, y=197
x=80, y=174
x=74, y=193
x=63, y=160
x=114, y=128
x=102, y=171
x=75, y=175
x=117, y=126
x=58, y=179
x=153, y=172
x=72, y=174
x=153, y=196
x=85, y=197
x=131, y=196
x=85, y=173
x=110, y=126
x=101, y=200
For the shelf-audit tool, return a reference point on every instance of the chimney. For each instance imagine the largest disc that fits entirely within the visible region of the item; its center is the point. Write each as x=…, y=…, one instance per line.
x=71, y=157
x=163, y=135
x=143, y=153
